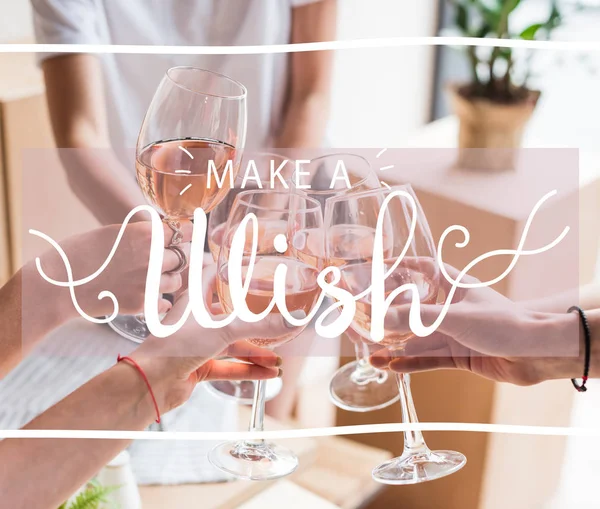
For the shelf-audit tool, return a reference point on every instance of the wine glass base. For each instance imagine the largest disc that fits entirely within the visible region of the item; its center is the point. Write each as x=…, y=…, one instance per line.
x=362, y=396
x=413, y=468
x=243, y=392
x=260, y=461
x=130, y=327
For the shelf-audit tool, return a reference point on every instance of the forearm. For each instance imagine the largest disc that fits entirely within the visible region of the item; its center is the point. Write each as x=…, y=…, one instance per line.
x=115, y=400
x=102, y=183
x=305, y=122
x=29, y=309
x=307, y=111
x=75, y=96
x=586, y=297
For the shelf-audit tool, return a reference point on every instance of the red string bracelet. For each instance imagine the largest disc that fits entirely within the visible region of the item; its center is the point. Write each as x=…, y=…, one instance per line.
x=139, y=368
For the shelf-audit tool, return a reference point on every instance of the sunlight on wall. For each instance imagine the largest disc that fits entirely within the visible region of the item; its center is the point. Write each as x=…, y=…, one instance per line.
x=381, y=95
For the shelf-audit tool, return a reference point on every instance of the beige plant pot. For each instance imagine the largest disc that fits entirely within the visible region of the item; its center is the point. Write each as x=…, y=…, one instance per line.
x=490, y=133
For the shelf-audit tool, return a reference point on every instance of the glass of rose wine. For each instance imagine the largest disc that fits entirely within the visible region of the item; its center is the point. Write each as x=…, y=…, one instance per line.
x=260, y=459
x=266, y=164
x=356, y=386
x=407, y=264
x=193, y=133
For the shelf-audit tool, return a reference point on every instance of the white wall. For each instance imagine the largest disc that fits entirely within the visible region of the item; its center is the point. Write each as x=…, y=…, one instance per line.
x=382, y=94
x=15, y=21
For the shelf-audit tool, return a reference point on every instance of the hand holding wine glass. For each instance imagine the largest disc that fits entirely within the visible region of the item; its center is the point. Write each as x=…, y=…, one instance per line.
x=487, y=334
x=124, y=276
x=176, y=365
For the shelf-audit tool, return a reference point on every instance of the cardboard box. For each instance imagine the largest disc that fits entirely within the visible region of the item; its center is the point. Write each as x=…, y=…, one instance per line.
x=18, y=78
x=5, y=261
x=37, y=194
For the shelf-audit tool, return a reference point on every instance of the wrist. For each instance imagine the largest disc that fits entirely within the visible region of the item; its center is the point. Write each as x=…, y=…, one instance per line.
x=169, y=386
x=141, y=402
x=568, y=362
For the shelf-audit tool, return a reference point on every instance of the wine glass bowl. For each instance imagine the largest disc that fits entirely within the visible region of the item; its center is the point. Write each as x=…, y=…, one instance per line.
x=301, y=291
x=357, y=279
x=259, y=180
x=174, y=179
x=191, y=141
x=323, y=177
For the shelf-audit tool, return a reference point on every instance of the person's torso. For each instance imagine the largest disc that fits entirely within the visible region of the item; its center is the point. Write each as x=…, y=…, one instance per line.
x=132, y=79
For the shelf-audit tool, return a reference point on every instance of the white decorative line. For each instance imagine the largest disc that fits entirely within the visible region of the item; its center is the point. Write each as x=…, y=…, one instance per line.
x=511, y=429
x=185, y=189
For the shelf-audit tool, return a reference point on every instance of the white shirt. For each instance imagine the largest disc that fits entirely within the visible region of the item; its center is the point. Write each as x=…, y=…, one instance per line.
x=131, y=80
x=130, y=83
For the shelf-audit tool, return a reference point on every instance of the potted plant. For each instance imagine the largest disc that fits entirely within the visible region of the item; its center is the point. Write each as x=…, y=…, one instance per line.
x=495, y=105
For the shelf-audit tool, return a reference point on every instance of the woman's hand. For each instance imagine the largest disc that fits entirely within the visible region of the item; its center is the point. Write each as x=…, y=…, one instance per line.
x=492, y=336
x=174, y=365
x=125, y=275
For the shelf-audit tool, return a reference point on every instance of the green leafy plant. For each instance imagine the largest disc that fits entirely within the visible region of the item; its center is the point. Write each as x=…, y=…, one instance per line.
x=91, y=497
x=493, y=71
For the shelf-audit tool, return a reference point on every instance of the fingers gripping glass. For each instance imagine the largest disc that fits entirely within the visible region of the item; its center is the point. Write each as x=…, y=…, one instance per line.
x=347, y=215
x=260, y=459
x=196, y=117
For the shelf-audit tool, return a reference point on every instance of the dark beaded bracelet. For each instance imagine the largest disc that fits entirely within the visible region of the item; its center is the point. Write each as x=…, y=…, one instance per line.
x=588, y=347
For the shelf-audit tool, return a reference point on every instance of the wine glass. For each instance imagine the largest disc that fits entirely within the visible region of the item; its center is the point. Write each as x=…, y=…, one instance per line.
x=406, y=259
x=265, y=163
x=324, y=178
x=259, y=459
x=193, y=133
x=356, y=386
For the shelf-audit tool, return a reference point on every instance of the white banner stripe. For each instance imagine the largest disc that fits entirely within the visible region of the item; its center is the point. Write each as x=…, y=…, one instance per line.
x=305, y=433
x=292, y=48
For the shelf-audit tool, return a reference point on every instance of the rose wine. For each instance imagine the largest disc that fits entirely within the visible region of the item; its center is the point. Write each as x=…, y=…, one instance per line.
x=347, y=243
x=173, y=174
x=301, y=293
x=357, y=277
x=268, y=229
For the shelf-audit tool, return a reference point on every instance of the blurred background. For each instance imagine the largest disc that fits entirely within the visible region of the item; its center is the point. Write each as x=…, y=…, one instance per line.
x=412, y=80
x=402, y=98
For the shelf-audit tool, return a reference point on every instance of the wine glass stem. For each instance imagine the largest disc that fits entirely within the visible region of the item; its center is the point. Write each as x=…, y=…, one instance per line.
x=364, y=372
x=362, y=354
x=257, y=418
x=413, y=440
